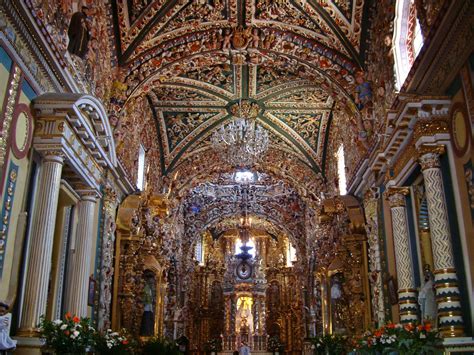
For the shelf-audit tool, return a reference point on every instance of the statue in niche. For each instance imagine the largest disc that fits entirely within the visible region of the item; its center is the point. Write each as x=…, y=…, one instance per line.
x=147, y=327
x=244, y=327
x=78, y=33
x=274, y=295
x=427, y=298
x=337, y=304
x=244, y=310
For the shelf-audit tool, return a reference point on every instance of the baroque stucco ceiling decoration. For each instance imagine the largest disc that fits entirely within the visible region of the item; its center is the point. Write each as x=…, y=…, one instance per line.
x=195, y=59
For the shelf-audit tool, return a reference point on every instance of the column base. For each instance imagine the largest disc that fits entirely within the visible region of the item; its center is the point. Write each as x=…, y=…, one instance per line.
x=28, y=333
x=408, y=305
x=452, y=331
x=459, y=344
x=28, y=346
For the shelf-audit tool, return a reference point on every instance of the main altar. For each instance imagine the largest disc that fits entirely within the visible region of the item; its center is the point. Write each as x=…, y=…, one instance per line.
x=244, y=294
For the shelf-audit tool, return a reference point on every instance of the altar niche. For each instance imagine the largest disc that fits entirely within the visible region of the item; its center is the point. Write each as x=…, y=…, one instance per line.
x=244, y=299
x=244, y=319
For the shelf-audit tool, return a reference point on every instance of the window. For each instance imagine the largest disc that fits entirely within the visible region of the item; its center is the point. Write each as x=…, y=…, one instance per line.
x=341, y=170
x=408, y=39
x=141, y=168
x=290, y=255
x=250, y=243
x=417, y=39
x=244, y=176
x=199, y=251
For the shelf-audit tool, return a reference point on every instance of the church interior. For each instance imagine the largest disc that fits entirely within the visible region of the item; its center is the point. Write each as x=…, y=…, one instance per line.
x=213, y=173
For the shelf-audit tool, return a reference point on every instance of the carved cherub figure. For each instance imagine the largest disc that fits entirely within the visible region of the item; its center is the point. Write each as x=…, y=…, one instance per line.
x=227, y=37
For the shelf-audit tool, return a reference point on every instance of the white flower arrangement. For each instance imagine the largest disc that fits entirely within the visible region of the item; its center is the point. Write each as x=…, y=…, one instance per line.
x=114, y=339
x=71, y=334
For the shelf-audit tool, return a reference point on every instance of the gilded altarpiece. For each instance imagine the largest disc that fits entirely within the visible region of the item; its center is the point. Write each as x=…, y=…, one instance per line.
x=205, y=298
x=144, y=278
x=342, y=272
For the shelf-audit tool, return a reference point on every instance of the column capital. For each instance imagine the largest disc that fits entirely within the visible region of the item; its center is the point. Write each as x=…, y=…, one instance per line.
x=55, y=156
x=90, y=196
x=428, y=155
x=396, y=196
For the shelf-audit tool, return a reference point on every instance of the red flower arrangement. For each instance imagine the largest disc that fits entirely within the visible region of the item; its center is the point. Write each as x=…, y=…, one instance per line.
x=409, y=339
x=71, y=335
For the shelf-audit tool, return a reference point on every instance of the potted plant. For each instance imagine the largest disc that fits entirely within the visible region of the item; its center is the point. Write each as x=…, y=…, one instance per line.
x=71, y=335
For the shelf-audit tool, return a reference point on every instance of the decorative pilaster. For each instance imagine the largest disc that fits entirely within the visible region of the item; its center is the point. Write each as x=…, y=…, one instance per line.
x=41, y=243
x=107, y=265
x=375, y=256
x=407, y=294
x=263, y=316
x=255, y=315
x=451, y=322
x=78, y=280
x=233, y=313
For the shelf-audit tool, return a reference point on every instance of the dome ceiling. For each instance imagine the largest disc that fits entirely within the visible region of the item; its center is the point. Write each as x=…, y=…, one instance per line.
x=196, y=59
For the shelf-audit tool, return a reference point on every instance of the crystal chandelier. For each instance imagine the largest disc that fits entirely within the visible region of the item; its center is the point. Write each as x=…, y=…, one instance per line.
x=242, y=141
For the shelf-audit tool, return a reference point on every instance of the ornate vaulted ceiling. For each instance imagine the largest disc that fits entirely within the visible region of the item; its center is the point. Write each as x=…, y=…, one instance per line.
x=287, y=60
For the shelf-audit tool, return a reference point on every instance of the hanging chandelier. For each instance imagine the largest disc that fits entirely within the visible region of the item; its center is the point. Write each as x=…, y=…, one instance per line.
x=241, y=142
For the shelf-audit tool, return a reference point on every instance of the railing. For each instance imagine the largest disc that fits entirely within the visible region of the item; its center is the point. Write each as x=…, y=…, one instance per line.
x=255, y=342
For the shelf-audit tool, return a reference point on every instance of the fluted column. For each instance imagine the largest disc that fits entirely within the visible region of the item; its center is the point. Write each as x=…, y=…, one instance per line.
x=446, y=282
x=407, y=294
x=78, y=280
x=41, y=243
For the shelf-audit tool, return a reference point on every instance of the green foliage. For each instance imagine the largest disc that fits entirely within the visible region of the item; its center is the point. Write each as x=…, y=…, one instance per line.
x=112, y=342
x=330, y=344
x=213, y=345
x=160, y=346
x=72, y=335
x=403, y=340
x=274, y=344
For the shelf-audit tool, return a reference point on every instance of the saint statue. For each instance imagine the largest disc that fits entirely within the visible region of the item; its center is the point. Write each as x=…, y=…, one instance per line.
x=337, y=303
x=147, y=327
x=6, y=343
x=363, y=94
x=244, y=309
x=336, y=292
x=78, y=33
x=427, y=298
